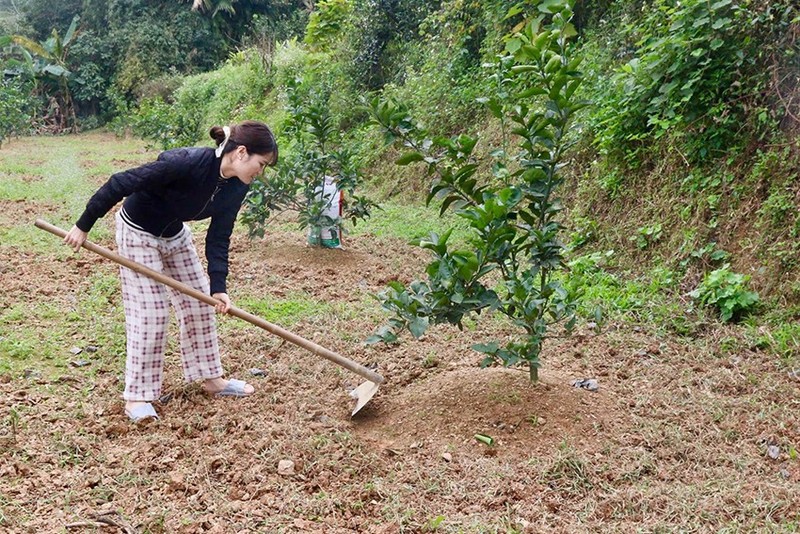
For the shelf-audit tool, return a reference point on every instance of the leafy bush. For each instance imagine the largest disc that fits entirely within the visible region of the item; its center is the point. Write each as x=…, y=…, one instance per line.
x=326, y=21
x=16, y=108
x=229, y=94
x=727, y=291
x=685, y=77
x=165, y=124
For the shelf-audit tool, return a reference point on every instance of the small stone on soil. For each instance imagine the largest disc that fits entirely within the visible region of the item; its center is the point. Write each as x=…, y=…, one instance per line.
x=447, y=457
x=286, y=467
x=325, y=420
x=76, y=350
x=586, y=383
x=774, y=452
x=79, y=363
x=257, y=372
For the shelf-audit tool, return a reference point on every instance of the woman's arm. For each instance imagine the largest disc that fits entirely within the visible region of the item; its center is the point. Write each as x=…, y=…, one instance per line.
x=125, y=183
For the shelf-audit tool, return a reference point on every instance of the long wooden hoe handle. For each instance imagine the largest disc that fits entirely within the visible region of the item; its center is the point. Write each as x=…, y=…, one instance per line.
x=208, y=299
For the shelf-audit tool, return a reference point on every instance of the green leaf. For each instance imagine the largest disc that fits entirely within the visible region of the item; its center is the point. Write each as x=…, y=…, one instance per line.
x=515, y=10
x=486, y=348
x=57, y=71
x=722, y=3
x=450, y=200
x=418, y=326
x=527, y=93
x=721, y=23
x=552, y=6
x=569, y=30
x=409, y=157
x=517, y=69
x=512, y=45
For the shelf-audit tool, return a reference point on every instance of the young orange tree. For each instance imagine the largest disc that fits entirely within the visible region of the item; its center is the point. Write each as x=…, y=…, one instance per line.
x=314, y=153
x=513, y=213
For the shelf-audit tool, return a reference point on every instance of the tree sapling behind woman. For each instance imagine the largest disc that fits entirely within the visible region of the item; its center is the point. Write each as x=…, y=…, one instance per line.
x=184, y=184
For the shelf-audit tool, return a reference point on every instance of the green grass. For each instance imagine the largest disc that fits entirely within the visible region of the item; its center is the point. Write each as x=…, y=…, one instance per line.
x=781, y=339
x=52, y=173
x=39, y=336
x=28, y=238
x=409, y=222
x=285, y=312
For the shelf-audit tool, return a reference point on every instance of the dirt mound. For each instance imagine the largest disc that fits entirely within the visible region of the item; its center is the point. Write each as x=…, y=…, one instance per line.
x=446, y=410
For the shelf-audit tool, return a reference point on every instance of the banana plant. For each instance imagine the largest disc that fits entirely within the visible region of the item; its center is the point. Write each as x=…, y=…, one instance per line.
x=46, y=63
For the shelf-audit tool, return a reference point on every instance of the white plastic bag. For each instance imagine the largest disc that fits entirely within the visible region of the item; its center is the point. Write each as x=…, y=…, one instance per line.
x=328, y=236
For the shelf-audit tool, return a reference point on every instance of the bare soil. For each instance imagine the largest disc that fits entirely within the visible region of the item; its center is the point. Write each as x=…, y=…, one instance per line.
x=677, y=438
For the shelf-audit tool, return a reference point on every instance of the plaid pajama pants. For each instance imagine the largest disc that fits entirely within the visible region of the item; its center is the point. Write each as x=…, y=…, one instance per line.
x=146, y=304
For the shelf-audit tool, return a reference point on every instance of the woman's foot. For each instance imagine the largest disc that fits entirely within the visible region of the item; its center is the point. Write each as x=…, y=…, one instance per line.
x=138, y=411
x=227, y=388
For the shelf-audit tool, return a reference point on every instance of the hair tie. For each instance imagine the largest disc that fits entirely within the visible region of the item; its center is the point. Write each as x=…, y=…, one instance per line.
x=221, y=147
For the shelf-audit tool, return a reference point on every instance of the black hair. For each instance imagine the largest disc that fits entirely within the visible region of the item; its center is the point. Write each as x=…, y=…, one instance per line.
x=255, y=136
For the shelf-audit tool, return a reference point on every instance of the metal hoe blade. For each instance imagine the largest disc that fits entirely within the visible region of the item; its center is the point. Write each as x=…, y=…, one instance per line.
x=363, y=394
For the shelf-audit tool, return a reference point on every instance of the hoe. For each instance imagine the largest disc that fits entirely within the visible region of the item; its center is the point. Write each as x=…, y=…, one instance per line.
x=362, y=393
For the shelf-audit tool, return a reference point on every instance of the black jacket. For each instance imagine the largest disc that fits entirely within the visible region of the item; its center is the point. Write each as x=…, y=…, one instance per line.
x=183, y=184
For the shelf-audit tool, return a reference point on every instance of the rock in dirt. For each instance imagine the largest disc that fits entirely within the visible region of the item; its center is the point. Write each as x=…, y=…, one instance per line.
x=286, y=467
x=177, y=481
x=774, y=452
x=76, y=350
x=586, y=383
x=79, y=363
x=258, y=372
x=447, y=457
x=325, y=420
x=32, y=373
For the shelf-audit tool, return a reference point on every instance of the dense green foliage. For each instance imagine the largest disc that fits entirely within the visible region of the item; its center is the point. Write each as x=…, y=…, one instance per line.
x=16, y=108
x=121, y=48
x=696, y=72
x=727, y=291
x=183, y=117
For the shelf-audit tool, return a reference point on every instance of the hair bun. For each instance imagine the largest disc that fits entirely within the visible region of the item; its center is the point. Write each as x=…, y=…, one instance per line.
x=217, y=134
